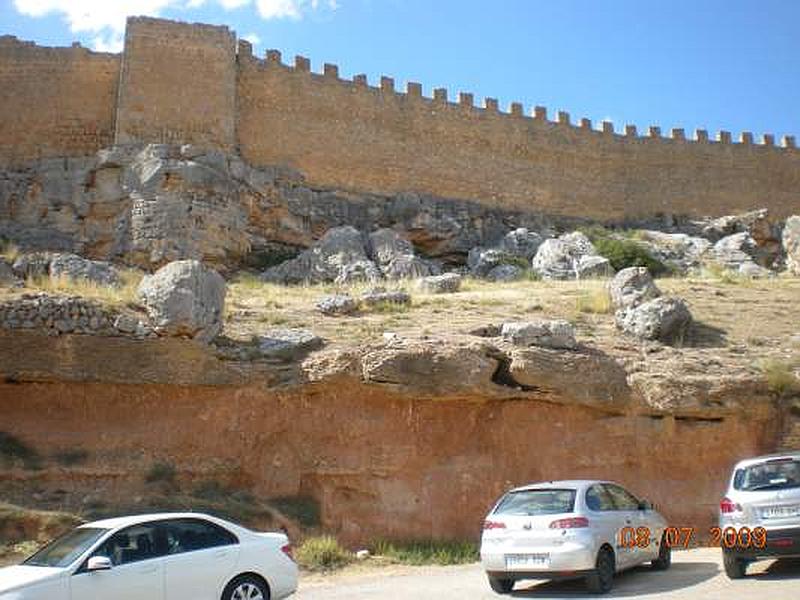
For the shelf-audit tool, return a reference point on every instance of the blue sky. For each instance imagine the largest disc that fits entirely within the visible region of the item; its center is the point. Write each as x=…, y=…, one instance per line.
x=713, y=64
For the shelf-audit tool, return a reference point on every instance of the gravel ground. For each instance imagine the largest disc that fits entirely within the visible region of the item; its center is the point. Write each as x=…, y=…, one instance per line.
x=695, y=575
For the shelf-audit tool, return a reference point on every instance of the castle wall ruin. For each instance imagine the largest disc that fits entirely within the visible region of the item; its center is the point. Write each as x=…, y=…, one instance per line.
x=193, y=83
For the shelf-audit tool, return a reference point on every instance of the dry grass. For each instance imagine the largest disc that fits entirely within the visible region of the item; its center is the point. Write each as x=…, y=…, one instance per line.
x=9, y=250
x=105, y=294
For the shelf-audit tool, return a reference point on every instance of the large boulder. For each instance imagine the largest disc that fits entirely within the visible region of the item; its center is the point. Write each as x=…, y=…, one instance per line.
x=631, y=287
x=395, y=256
x=665, y=318
x=571, y=256
x=481, y=261
x=184, y=298
x=380, y=297
x=548, y=334
x=521, y=243
x=764, y=235
x=358, y=272
x=738, y=252
x=324, y=261
x=791, y=244
x=337, y=304
x=33, y=264
x=410, y=267
x=505, y=273
x=77, y=268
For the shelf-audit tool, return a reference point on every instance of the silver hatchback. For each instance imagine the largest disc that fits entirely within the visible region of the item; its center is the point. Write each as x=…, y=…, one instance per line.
x=568, y=529
x=759, y=517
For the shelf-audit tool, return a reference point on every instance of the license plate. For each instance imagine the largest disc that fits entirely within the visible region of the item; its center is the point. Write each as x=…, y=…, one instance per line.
x=527, y=561
x=780, y=512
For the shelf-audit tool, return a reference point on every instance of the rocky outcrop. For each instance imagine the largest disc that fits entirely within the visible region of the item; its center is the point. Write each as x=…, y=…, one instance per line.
x=571, y=256
x=185, y=298
x=7, y=276
x=739, y=252
x=791, y=244
x=504, y=261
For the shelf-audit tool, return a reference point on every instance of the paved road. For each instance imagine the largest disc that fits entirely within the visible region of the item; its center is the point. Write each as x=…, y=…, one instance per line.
x=695, y=575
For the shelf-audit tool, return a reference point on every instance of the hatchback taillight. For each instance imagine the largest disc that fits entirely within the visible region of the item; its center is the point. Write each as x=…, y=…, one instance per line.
x=570, y=523
x=493, y=525
x=287, y=550
x=727, y=506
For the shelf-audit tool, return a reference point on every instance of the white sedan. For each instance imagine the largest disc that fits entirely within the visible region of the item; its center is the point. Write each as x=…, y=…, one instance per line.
x=186, y=556
x=565, y=529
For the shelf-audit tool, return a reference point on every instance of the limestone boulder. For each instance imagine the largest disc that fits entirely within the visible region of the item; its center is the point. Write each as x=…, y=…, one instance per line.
x=184, y=298
x=386, y=245
x=521, y=243
x=358, y=272
x=666, y=319
x=33, y=264
x=545, y=333
x=735, y=250
x=481, y=261
x=571, y=256
x=380, y=296
x=680, y=252
x=410, y=267
x=791, y=244
x=326, y=260
x=77, y=268
x=631, y=287
x=288, y=344
x=446, y=283
x=337, y=304
x=505, y=273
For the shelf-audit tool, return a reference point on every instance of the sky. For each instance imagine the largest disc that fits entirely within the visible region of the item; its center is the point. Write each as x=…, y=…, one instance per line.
x=709, y=64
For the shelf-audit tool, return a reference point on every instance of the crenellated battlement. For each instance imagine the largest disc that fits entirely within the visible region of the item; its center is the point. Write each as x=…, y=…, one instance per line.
x=192, y=83
x=491, y=106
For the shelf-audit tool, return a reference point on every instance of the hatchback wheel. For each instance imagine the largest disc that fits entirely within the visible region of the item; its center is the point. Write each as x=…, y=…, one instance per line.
x=600, y=580
x=501, y=586
x=664, y=560
x=735, y=567
x=246, y=587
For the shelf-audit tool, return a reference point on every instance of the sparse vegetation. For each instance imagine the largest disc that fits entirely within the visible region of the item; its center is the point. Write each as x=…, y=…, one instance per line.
x=322, y=553
x=9, y=250
x=121, y=295
x=161, y=472
x=780, y=377
x=427, y=552
x=596, y=300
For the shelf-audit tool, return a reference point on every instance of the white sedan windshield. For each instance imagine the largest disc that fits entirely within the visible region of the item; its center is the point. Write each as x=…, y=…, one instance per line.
x=63, y=551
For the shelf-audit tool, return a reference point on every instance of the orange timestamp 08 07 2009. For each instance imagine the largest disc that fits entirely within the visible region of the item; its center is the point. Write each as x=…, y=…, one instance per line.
x=682, y=537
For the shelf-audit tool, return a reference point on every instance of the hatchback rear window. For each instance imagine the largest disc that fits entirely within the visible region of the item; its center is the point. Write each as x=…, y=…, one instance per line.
x=536, y=502
x=775, y=474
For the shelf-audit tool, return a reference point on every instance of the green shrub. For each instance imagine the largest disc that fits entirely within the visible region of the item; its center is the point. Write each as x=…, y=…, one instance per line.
x=161, y=472
x=322, y=553
x=427, y=552
x=780, y=377
x=626, y=253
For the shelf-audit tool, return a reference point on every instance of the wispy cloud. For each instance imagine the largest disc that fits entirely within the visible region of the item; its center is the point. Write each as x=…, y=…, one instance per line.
x=106, y=18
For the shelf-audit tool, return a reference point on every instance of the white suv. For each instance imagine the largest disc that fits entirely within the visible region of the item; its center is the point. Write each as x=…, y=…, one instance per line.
x=759, y=517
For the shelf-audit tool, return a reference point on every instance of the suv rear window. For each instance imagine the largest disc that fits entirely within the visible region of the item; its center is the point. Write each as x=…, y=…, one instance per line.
x=536, y=502
x=774, y=474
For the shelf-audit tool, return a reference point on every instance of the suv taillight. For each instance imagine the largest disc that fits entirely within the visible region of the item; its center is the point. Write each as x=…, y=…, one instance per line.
x=571, y=523
x=727, y=506
x=287, y=550
x=493, y=525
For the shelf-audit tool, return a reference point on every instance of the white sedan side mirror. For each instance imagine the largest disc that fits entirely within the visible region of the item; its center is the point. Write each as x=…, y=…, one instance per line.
x=98, y=563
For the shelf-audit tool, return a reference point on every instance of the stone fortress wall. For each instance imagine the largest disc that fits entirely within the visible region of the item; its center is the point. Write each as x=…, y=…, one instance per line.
x=178, y=82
